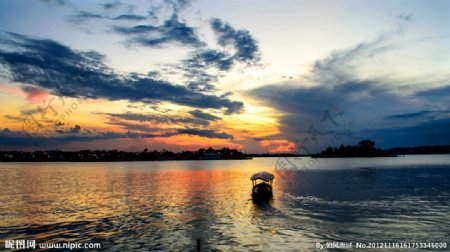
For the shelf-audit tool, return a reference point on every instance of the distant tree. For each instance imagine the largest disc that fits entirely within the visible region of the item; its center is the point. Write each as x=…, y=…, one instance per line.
x=367, y=144
x=365, y=148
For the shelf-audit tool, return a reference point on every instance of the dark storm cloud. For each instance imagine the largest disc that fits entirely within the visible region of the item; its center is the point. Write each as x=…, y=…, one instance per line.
x=241, y=40
x=433, y=132
x=18, y=139
x=31, y=89
x=334, y=83
x=423, y=113
x=238, y=45
x=205, y=116
x=133, y=127
x=303, y=106
x=67, y=72
x=196, y=66
x=206, y=133
x=199, y=79
x=171, y=31
x=84, y=16
x=12, y=140
x=131, y=17
x=112, y=5
x=206, y=58
x=75, y=129
x=169, y=132
x=435, y=93
x=166, y=34
x=159, y=118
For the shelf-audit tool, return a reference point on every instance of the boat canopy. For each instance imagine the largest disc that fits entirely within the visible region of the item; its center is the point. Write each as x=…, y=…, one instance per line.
x=263, y=176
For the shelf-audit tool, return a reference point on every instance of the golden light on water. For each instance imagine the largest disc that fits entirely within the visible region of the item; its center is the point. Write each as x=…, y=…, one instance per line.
x=175, y=203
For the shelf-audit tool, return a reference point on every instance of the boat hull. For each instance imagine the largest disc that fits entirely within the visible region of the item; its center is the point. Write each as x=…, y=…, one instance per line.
x=262, y=191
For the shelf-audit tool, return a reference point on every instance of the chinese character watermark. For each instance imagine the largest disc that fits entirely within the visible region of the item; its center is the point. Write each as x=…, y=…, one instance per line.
x=287, y=168
x=49, y=118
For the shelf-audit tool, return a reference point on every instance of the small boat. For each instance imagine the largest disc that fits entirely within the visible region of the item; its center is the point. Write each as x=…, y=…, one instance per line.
x=262, y=190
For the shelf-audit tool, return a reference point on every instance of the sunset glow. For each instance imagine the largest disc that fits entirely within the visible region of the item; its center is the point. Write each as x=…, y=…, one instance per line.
x=182, y=75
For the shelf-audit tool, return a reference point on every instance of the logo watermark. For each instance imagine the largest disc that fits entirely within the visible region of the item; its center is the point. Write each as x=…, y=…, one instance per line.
x=31, y=244
x=288, y=169
x=50, y=118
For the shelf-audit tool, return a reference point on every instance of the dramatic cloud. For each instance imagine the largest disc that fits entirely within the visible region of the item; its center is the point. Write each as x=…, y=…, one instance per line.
x=429, y=114
x=67, y=72
x=436, y=93
x=434, y=132
x=158, y=119
x=83, y=16
x=17, y=139
x=197, y=66
x=206, y=58
x=202, y=115
x=129, y=126
x=112, y=5
x=316, y=104
x=12, y=139
x=238, y=45
x=393, y=88
x=205, y=133
x=303, y=106
x=34, y=94
x=131, y=17
x=75, y=129
x=241, y=40
x=171, y=31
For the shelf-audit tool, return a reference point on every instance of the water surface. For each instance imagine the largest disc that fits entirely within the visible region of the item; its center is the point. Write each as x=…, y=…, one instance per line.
x=170, y=205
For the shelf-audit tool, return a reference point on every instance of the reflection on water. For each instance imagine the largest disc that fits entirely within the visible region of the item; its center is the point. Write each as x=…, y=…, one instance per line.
x=171, y=205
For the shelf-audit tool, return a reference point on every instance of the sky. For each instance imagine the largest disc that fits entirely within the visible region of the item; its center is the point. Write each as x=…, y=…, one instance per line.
x=257, y=75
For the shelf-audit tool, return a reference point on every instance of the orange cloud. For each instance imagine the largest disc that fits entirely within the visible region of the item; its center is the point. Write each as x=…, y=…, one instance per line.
x=278, y=146
x=31, y=93
x=34, y=94
x=190, y=142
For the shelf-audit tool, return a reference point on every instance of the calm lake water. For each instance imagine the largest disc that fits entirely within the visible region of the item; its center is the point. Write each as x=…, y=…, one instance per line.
x=168, y=206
